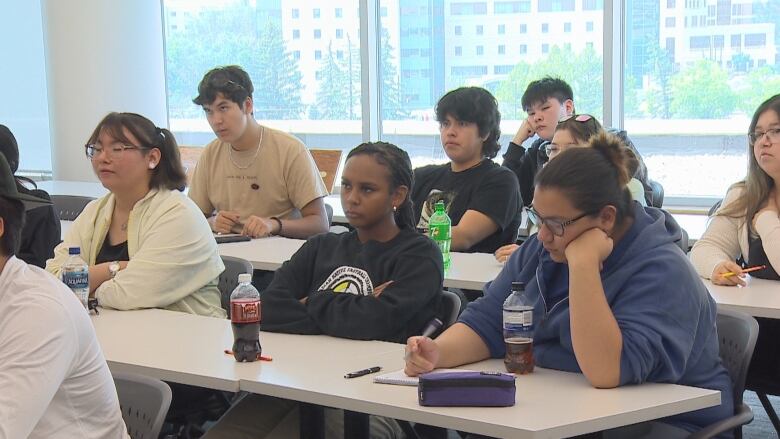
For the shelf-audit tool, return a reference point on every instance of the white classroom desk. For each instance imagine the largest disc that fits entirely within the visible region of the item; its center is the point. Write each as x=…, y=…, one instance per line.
x=760, y=298
x=469, y=270
x=188, y=349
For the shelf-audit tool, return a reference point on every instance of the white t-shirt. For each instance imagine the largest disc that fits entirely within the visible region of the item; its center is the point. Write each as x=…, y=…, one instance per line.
x=54, y=381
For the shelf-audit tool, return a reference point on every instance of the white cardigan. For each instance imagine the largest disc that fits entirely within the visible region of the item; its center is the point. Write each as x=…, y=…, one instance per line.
x=726, y=238
x=174, y=262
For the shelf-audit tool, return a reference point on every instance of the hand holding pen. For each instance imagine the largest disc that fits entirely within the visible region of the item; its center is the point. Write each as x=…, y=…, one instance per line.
x=728, y=273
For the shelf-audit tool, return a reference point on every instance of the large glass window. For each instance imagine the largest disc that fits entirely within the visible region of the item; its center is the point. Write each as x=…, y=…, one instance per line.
x=305, y=70
x=689, y=96
x=23, y=107
x=409, y=98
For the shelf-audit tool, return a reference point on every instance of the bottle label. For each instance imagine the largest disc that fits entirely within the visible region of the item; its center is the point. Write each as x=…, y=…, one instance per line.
x=245, y=311
x=440, y=232
x=76, y=280
x=519, y=321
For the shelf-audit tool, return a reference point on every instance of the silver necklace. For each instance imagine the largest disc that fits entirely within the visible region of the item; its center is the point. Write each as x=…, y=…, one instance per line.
x=257, y=151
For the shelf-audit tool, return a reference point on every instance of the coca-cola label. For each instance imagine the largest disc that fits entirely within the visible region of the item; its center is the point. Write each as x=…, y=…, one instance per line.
x=245, y=311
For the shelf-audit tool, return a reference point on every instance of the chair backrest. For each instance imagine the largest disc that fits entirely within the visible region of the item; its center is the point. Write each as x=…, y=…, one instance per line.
x=737, y=333
x=451, y=306
x=714, y=208
x=189, y=158
x=658, y=193
x=69, y=206
x=329, y=212
x=144, y=402
x=684, y=243
x=228, y=280
x=328, y=162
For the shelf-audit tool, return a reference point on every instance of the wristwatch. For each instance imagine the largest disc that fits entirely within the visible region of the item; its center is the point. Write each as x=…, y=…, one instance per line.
x=113, y=269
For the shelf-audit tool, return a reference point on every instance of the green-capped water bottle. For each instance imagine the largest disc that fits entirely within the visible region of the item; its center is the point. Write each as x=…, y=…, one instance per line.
x=440, y=230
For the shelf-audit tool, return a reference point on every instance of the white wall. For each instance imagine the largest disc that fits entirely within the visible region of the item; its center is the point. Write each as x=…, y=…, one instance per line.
x=101, y=56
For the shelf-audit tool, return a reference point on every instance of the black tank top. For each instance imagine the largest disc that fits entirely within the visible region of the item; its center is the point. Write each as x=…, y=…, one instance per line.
x=110, y=253
x=757, y=256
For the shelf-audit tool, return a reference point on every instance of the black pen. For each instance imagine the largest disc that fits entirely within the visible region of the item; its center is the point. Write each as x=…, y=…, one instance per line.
x=433, y=326
x=360, y=373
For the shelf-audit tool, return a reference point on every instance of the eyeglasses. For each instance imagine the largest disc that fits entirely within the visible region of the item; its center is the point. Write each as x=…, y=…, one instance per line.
x=577, y=117
x=92, y=150
x=556, y=227
x=772, y=134
x=554, y=149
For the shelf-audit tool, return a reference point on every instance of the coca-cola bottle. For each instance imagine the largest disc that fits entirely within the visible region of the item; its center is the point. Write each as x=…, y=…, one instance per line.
x=245, y=319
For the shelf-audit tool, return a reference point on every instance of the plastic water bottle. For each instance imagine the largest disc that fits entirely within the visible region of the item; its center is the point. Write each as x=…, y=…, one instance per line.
x=75, y=274
x=519, y=331
x=440, y=230
x=245, y=318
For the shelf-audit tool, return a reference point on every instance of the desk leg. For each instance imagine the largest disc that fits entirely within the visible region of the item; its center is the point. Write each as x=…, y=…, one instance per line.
x=312, y=421
x=355, y=425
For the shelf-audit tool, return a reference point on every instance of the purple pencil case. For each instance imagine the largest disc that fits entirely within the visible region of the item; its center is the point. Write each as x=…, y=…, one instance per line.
x=466, y=389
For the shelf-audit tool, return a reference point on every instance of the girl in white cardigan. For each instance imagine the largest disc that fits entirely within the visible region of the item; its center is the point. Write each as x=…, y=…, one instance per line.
x=147, y=244
x=747, y=226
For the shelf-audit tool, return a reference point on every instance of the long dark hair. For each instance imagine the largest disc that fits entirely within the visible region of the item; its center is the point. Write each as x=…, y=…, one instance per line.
x=757, y=184
x=397, y=162
x=169, y=173
x=10, y=149
x=594, y=177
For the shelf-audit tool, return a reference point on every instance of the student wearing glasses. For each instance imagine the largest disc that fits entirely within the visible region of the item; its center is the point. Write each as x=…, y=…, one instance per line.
x=616, y=298
x=253, y=179
x=745, y=231
x=147, y=245
x=546, y=101
x=576, y=131
x=481, y=197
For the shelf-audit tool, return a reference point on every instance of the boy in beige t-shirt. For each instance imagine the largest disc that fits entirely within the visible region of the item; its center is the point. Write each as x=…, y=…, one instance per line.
x=252, y=179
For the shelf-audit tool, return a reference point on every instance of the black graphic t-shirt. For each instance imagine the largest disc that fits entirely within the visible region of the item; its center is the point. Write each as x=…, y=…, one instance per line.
x=488, y=188
x=338, y=275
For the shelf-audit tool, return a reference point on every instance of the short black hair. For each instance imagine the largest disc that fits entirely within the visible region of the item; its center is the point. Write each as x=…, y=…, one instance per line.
x=546, y=88
x=232, y=81
x=475, y=105
x=12, y=213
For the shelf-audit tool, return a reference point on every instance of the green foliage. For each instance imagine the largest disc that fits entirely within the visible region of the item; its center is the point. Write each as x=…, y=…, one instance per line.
x=659, y=96
x=760, y=85
x=702, y=92
x=277, y=79
x=583, y=71
x=392, y=106
x=232, y=36
x=332, y=101
x=631, y=98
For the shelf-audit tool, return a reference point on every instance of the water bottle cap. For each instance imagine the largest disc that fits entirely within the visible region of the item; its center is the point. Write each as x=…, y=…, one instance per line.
x=244, y=277
x=518, y=286
x=74, y=250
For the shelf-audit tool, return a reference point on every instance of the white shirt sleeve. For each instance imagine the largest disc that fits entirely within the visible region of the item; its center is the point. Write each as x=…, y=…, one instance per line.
x=37, y=348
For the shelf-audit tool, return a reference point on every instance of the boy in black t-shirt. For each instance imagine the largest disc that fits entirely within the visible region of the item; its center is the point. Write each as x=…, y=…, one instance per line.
x=481, y=197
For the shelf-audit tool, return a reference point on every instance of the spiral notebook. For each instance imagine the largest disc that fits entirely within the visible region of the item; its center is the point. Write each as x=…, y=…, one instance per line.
x=400, y=378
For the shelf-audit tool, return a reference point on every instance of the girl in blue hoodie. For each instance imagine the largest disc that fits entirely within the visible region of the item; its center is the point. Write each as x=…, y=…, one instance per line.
x=617, y=300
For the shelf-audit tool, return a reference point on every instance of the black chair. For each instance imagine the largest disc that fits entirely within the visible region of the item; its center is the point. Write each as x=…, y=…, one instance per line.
x=69, y=206
x=714, y=208
x=737, y=334
x=228, y=279
x=329, y=212
x=658, y=193
x=451, y=305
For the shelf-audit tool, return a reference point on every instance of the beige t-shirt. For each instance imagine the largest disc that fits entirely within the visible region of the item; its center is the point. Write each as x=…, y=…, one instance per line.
x=280, y=182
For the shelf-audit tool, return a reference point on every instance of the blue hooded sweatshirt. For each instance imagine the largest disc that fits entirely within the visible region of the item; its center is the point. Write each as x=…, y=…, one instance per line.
x=664, y=311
